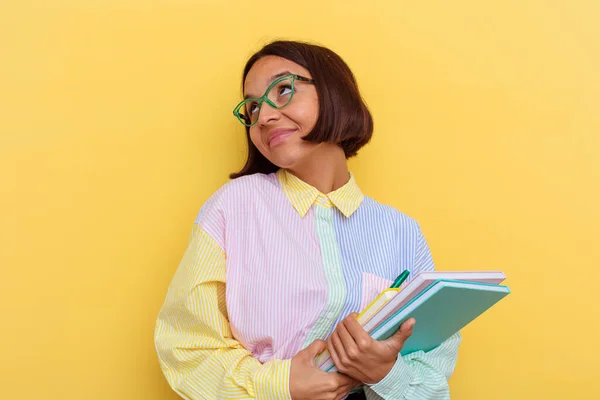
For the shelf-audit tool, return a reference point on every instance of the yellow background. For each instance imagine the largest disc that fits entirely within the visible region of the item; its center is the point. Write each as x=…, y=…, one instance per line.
x=116, y=126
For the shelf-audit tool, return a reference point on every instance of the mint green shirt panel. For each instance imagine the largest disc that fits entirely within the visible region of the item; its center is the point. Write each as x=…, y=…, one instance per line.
x=333, y=272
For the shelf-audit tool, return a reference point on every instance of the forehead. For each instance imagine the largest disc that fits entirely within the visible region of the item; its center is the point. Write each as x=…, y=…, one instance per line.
x=260, y=75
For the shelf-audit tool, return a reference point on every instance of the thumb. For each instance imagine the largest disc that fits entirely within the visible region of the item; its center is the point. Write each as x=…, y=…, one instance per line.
x=397, y=339
x=315, y=348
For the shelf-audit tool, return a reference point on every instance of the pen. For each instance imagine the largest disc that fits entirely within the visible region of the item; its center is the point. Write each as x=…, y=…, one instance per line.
x=401, y=278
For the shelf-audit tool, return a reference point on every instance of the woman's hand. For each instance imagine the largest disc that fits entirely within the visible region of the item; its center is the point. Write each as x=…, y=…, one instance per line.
x=359, y=356
x=307, y=381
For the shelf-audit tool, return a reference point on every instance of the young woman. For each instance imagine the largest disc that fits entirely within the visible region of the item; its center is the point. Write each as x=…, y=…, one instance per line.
x=282, y=257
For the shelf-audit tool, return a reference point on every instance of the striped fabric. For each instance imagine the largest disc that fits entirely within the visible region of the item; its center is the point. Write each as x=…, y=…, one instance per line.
x=272, y=264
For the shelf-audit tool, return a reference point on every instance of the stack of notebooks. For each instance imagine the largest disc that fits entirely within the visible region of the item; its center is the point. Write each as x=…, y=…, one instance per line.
x=442, y=303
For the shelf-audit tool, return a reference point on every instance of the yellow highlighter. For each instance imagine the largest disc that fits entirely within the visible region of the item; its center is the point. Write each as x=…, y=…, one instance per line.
x=382, y=299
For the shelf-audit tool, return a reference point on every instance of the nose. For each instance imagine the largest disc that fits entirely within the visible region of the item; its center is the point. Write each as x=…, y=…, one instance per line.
x=268, y=114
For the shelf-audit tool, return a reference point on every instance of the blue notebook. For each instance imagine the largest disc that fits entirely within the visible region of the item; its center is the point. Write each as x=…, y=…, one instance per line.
x=441, y=310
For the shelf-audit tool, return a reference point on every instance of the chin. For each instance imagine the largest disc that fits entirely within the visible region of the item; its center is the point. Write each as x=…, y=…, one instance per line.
x=283, y=163
x=288, y=155
x=284, y=159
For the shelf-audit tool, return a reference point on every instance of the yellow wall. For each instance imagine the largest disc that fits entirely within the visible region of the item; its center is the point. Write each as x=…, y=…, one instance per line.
x=116, y=125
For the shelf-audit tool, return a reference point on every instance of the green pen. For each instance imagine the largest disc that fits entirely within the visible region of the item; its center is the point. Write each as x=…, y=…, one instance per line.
x=400, y=279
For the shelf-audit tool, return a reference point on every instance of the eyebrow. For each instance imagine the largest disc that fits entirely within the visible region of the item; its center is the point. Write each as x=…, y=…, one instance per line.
x=277, y=75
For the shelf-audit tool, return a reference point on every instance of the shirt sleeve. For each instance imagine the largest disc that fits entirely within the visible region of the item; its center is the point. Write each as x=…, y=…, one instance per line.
x=419, y=375
x=197, y=352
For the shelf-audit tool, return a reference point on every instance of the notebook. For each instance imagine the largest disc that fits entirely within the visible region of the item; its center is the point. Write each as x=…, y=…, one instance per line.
x=422, y=281
x=441, y=309
x=382, y=307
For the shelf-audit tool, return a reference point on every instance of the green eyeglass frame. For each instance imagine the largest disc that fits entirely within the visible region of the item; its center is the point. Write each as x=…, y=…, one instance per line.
x=237, y=111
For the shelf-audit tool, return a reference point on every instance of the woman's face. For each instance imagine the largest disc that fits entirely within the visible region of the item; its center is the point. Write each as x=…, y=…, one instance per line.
x=278, y=133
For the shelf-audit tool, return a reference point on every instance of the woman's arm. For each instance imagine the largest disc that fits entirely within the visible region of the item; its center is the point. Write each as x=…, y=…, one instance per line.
x=419, y=375
x=196, y=349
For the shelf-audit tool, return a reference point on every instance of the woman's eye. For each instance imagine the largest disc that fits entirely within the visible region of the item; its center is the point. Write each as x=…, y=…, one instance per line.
x=285, y=90
x=253, y=108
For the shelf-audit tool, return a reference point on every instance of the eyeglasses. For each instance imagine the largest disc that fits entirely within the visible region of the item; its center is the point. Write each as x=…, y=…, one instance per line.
x=278, y=95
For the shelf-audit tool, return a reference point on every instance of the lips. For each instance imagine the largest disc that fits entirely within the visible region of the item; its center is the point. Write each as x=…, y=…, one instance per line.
x=278, y=135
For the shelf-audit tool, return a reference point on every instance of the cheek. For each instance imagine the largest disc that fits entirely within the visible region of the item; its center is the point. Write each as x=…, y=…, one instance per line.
x=306, y=114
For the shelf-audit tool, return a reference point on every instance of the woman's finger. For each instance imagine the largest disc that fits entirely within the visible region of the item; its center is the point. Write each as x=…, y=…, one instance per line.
x=342, y=392
x=333, y=349
x=358, y=333
x=346, y=338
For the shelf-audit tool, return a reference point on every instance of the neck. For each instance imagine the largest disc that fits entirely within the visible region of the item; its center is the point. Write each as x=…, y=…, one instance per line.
x=327, y=170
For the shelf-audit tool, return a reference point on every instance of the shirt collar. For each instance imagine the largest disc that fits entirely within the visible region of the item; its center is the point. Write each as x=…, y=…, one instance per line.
x=347, y=198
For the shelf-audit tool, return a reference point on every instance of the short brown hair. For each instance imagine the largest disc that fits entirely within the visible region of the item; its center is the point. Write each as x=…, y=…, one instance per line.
x=344, y=118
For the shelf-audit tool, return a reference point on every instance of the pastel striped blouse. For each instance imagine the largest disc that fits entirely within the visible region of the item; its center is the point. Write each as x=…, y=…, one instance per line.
x=272, y=264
